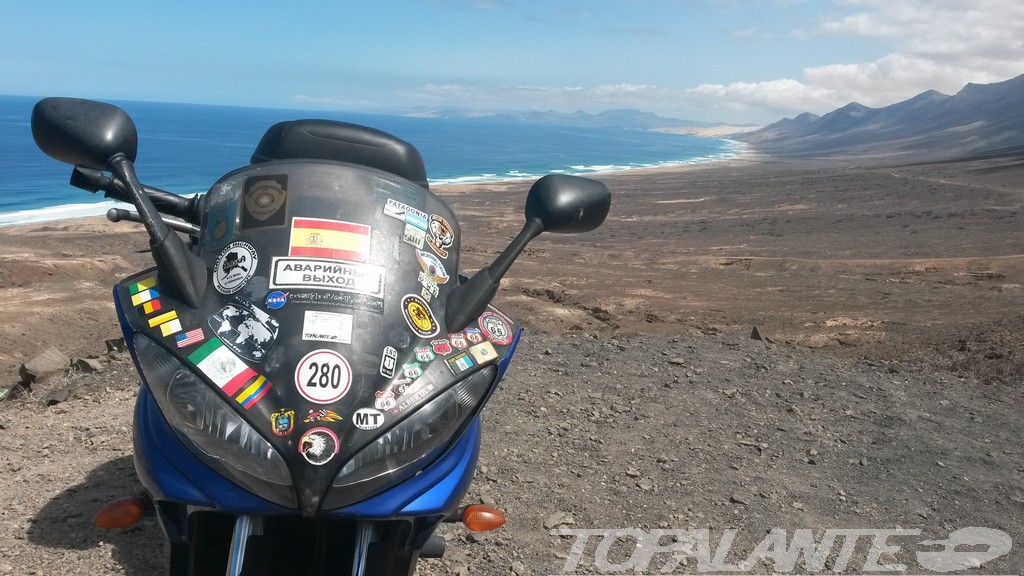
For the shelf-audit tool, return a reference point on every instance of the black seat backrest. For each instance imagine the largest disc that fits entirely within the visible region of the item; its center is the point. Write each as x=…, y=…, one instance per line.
x=344, y=142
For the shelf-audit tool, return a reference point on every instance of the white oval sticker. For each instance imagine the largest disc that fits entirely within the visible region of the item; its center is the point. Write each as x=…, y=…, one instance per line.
x=323, y=376
x=368, y=419
x=235, y=265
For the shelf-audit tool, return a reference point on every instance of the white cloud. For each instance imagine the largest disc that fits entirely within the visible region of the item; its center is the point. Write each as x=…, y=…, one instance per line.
x=939, y=44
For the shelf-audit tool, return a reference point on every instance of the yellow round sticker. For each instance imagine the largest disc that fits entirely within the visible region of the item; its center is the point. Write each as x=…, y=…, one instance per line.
x=418, y=316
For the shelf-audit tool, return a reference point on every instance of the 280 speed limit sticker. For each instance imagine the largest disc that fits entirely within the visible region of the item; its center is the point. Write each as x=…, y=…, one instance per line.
x=323, y=376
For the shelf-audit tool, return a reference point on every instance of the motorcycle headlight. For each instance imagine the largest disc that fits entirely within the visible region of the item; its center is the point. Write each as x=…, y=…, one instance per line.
x=211, y=429
x=408, y=447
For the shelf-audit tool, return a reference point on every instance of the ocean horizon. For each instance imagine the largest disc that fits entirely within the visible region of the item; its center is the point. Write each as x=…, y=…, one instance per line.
x=185, y=148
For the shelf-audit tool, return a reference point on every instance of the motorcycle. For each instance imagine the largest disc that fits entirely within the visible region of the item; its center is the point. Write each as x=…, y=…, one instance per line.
x=313, y=361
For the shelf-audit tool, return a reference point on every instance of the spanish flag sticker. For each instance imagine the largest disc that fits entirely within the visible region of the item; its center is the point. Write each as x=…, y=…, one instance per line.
x=321, y=238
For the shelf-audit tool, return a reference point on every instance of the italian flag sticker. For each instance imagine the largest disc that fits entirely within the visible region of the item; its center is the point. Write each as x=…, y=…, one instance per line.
x=221, y=366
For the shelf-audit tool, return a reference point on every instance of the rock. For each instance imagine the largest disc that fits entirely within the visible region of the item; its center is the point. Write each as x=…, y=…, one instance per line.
x=677, y=361
x=632, y=472
x=49, y=361
x=116, y=345
x=558, y=519
x=87, y=365
x=645, y=484
x=57, y=396
x=755, y=335
x=798, y=505
x=518, y=568
x=739, y=499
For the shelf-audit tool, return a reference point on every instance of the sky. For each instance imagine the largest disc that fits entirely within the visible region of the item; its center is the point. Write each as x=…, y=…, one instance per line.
x=731, y=61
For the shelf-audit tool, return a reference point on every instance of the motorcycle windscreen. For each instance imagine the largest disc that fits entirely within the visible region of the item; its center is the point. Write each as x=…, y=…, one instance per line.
x=323, y=324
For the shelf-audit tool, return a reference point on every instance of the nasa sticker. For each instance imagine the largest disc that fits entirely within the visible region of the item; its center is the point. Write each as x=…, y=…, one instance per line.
x=276, y=299
x=418, y=316
x=323, y=376
x=368, y=418
x=235, y=265
x=318, y=446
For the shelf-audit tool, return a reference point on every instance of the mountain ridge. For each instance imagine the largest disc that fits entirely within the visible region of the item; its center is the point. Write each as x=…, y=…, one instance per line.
x=978, y=119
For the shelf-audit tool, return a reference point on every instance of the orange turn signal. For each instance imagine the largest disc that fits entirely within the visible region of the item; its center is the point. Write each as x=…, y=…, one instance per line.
x=120, y=513
x=480, y=518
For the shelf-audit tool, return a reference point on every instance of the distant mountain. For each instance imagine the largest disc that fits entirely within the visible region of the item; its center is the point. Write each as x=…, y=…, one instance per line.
x=623, y=118
x=977, y=120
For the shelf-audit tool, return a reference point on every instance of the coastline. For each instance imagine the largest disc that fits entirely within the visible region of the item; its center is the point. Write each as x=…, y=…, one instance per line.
x=97, y=210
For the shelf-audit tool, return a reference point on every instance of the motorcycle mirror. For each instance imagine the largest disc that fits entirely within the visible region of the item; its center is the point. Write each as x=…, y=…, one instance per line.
x=83, y=132
x=555, y=203
x=568, y=204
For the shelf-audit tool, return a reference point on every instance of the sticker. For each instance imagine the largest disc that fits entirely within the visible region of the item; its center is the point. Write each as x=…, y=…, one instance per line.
x=151, y=306
x=416, y=218
x=458, y=341
x=483, y=353
x=496, y=328
x=220, y=224
x=368, y=419
x=385, y=400
x=322, y=415
x=334, y=239
x=282, y=422
x=318, y=446
x=395, y=209
x=430, y=288
x=432, y=266
x=264, y=198
x=165, y=317
x=276, y=300
x=235, y=265
x=418, y=316
x=323, y=376
x=460, y=363
x=323, y=274
x=327, y=327
x=441, y=347
x=221, y=366
x=247, y=330
x=412, y=370
x=388, y=362
x=253, y=392
x=441, y=235
x=144, y=296
x=340, y=299
x=172, y=327
x=473, y=335
x=413, y=399
x=424, y=353
x=189, y=338
x=142, y=285
x=413, y=235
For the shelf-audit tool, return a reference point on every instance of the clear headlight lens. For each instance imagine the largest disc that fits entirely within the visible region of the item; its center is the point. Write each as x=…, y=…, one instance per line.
x=406, y=448
x=216, y=434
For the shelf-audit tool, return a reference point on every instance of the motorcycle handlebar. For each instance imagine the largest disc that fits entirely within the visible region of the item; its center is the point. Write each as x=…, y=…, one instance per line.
x=166, y=202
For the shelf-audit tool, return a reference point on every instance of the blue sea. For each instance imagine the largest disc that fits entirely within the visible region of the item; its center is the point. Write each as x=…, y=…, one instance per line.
x=185, y=148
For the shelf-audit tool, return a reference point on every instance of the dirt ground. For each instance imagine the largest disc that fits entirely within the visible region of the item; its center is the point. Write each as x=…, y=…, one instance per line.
x=884, y=393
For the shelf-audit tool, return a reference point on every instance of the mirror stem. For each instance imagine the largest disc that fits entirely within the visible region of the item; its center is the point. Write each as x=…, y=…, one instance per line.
x=470, y=300
x=182, y=270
